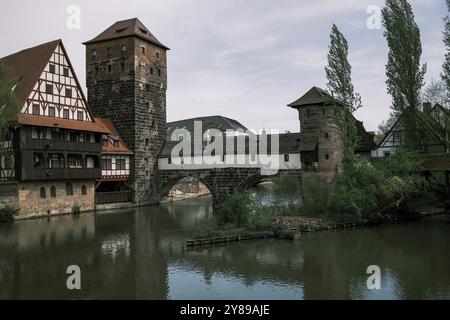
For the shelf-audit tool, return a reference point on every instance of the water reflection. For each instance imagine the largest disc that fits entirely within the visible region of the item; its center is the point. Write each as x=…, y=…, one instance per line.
x=140, y=254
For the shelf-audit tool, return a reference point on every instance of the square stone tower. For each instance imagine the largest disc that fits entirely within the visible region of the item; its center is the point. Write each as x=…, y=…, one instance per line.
x=320, y=140
x=126, y=78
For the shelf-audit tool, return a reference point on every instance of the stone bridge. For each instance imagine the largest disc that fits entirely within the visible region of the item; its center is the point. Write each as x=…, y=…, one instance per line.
x=221, y=182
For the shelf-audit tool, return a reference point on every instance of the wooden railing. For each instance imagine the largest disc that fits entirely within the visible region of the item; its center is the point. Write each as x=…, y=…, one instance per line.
x=62, y=174
x=112, y=197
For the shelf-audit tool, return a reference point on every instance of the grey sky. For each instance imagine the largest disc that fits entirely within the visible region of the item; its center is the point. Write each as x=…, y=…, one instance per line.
x=244, y=59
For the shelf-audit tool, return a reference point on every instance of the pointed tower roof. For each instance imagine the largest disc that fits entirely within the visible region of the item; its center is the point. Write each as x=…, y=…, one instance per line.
x=127, y=28
x=27, y=65
x=314, y=96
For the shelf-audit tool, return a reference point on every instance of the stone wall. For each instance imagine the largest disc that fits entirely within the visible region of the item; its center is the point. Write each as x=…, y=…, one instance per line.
x=129, y=87
x=9, y=196
x=32, y=205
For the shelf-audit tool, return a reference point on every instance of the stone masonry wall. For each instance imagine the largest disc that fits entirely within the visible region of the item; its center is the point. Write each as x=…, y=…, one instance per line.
x=132, y=93
x=32, y=205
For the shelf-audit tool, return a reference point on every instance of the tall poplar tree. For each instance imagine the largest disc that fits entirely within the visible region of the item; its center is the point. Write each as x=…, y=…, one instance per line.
x=340, y=87
x=446, y=66
x=404, y=70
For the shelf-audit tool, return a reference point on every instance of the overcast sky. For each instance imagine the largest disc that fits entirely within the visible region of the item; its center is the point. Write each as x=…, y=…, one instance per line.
x=244, y=59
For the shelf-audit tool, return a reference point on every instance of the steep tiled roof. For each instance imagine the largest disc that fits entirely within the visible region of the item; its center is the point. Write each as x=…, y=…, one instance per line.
x=27, y=65
x=314, y=96
x=112, y=135
x=127, y=28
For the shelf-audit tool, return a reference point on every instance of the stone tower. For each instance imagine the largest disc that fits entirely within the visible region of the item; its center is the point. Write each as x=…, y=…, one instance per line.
x=126, y=78
x=320, y=140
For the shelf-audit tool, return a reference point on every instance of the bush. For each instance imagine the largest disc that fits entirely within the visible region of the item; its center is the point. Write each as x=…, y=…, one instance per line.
x=7, y=214
x=236, y=209
x=315, y=197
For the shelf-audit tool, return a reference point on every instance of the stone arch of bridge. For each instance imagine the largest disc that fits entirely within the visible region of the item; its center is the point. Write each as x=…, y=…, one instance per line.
x=168, y=183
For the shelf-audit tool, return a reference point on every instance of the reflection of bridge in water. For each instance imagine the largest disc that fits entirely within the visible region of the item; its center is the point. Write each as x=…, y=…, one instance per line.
x=141, y=255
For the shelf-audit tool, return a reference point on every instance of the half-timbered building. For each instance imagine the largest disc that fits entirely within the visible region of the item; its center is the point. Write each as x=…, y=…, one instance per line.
x=53, y=149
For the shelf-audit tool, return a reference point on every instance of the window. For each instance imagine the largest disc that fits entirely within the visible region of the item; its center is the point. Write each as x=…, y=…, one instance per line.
x=157, y=55
x=90, y=162
x=94, y=53
x=327, y=156
x=69, y=189
x=80, y=115
x=143, y=50
x=74, y=161
x=286, y=158
x=106, y=164
x=151, y=71
x=159, y=72
x=122, y=66
x=96, y=69
x=147, y=141
x=109, y=68
x=83, y=190
x=109, y=51
x=36, y=109
x=49, y=88
x=66, y=72
x=51, y=111
x=397, y=137
x=52, y=68
x=115, y=143
x=124, y=48
x=66, y=113
x=326, y=135
x=43, y=193
x=37, y=133
x=55, y=161
x=57, y=134
x=120, y=164
x=387, y=153
x=75, y=136
x=68, y=92
x=53, y=191
x=38, y=160
x=104, y=143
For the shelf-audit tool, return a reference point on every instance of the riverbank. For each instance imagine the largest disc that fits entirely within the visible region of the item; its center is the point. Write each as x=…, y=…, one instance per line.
x=292, y=227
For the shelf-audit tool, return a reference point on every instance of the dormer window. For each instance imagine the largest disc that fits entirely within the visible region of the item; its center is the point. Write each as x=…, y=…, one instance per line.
x=116, y=143
x=104, y=143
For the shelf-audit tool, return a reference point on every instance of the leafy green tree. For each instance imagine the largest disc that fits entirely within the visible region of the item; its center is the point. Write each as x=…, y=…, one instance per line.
x=340, y=87
x=404, y=70
x=446, y=66
x=8, y=101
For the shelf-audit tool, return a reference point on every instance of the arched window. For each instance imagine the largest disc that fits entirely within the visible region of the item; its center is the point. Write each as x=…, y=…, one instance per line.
x=69, y=189
x=53, y=191
x=42, y=192
x=83, y=190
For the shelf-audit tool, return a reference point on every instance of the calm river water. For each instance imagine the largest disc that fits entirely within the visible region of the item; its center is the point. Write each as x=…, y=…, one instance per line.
x=140, y=254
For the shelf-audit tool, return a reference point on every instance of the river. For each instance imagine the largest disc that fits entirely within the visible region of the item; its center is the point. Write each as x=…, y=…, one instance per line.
x=140, y=254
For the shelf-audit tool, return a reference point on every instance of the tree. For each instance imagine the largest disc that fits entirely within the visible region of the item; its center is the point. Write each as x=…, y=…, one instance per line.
x=404, y=70
x=8, y=101
x=341, y=89
x=435, y=92
x=446, y=66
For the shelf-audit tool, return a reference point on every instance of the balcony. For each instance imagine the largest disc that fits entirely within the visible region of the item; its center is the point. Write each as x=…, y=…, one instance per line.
x=58, y=145
x=112, y=197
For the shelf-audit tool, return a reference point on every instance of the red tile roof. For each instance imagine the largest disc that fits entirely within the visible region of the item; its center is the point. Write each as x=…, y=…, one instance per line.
x=112, y=135
x=53, y=122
